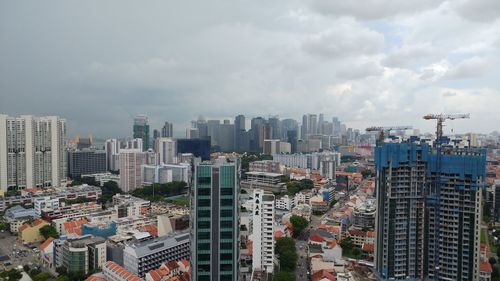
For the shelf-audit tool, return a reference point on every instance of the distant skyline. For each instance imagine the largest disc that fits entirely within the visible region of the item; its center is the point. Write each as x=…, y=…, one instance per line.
x=378, y=62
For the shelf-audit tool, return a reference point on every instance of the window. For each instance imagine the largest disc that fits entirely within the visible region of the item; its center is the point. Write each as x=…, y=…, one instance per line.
x=204, y=224
x=204, y=191
x=226, y=191
x=204, y=202
x=226, y=234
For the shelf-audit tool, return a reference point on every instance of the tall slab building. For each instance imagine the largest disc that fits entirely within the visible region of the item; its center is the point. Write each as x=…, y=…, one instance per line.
x=32, y=151
x=215, y=225
x=429, y=211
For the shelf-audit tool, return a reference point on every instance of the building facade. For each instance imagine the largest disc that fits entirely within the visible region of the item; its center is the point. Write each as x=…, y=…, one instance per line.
x=215, y=225
x=32, y=151
x=263, y=231
x=131, y=161
x=112, y=148
x=166, y=149
x=86, y=161
x=141, y=130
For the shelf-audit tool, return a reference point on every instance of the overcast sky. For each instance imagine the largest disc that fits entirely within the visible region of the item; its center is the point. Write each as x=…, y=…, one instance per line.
x=369, y=62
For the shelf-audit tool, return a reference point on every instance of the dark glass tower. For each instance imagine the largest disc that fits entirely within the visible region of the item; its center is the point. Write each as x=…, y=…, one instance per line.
x=141, y=130
x=215, y=221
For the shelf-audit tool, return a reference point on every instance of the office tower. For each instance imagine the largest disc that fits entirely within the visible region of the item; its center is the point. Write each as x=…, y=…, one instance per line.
x=271, y=147
x=112, y=148
x=428, y=213
x=135, y=144
x=287, y=125
x=130, y=168
x=292, y=139
x=166, y=149
x=321, y=121
x=141, y=130
x=192, y=133
x=304, y=127
x=213, y=131
x=263, y=231
x=32, y=151
x=239, y=133
x=156, y=134
x=167, y=131
x=226, y=136
x=82, y=254
x=215, y=223
x=274, y=123
x=312, y=126
x=336, y=126
x=202, y=127
x=198, y=147
x=86, y=161
x=255, y=127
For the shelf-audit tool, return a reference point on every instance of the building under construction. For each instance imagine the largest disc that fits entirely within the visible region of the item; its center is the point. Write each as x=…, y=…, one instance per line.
x=429, y=215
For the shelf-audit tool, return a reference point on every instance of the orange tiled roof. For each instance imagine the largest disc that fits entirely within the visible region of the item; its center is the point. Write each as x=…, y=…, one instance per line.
x=151, y=229
x=74, y=227
x=323, y=274
x=278, y=234
x=95, y=278
x=370, y=233
x=122, y=272
x=185, y=263
x=485, y=267
x=316, y=238
x=157, y=274
x=368, y=247
x=46, y=243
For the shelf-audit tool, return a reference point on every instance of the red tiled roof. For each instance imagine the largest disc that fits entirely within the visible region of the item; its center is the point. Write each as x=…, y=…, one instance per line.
x=172, y=265
x=74, y=227
x=357, y=232
x=316, y=238
x=485, y=267
x=95, y=278
x=322, y=274
x=278, y=234
x=368, y=247
x=370, y=234
x=46, y=243
x=157, y=274
x=151, y=229
x=122, y=272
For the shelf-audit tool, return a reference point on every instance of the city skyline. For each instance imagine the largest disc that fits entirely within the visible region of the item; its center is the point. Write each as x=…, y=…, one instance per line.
x=364, y=64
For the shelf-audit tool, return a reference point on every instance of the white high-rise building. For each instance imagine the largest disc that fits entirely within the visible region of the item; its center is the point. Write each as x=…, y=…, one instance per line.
x=271, y=147
x=136, y=143
x=32, y=151
x=131, y=161
x=263, y=231
x=167, y=149
x=112, y=155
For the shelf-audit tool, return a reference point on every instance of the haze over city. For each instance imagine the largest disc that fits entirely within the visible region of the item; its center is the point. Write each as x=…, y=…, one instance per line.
x=368, y=63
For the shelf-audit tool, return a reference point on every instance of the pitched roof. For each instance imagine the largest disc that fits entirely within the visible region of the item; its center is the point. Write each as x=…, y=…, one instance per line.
x=95, y=278
x=316, y=238
x=368, y=247
x=122, y=272
x=157, y=274
x=278, y=234
x=485, y=267
x=322, y=274
x=370, y=233
x=46, y=243
x=357, y=232
x=172, y=265
x=151, y=229
x=74, y=227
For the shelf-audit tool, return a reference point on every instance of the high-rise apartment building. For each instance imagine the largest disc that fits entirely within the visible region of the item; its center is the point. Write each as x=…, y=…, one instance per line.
x=263, y=231
x=166, y=149
x=428, y=213
x=167, y=131
x=131, y=161
x=141, y=130
x=32, y=151
x=271, y=147
x=215, y=225
x=112, y=148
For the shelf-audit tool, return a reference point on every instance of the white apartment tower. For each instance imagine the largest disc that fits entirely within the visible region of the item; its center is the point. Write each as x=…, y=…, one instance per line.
x=263, y=231
x=167, y=149
x=131, y=161
x=32, y=151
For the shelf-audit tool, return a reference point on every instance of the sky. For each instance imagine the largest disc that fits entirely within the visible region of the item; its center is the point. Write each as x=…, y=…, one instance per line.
x=368, y=62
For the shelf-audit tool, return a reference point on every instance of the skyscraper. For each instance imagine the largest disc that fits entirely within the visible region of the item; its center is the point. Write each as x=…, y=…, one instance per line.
x=130, y=168
x=428, y=214
x=112, y=148
x=239, y=133
x=32, y=151
x=141, y=130
x=215, y=225
x=167, y=131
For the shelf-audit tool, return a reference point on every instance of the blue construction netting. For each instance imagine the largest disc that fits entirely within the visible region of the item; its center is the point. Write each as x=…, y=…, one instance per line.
x=396, y=154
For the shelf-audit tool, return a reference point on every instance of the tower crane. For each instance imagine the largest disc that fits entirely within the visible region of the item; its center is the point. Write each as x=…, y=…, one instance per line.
x=440, y=120
x=386, y=130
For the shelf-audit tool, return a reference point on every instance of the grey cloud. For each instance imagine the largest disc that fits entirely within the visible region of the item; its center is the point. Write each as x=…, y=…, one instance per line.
x=373, y=9
x=412, y=55
x=345, y=39
x=479, y=10
x=359, y=70
x=470, y=68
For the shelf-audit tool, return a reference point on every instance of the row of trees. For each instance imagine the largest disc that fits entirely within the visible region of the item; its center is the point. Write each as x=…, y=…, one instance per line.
x=287, y=256
x=158, y=192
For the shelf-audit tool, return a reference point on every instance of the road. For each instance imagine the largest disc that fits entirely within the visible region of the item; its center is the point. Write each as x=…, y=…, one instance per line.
x=18, y=254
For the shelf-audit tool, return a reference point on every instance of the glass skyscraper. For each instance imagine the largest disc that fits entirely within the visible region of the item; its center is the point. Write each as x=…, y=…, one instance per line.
x=215, y=222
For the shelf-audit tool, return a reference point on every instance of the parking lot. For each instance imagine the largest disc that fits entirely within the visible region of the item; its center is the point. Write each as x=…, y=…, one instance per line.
x=17, y=253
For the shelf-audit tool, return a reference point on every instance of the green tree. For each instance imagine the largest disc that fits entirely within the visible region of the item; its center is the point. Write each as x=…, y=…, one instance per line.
x=62, y=278
x=42, y=276
x=346, y=244
x=486, y=212
x=109, y=189
x=285, y=248
x=49, y=231
x=11, y=275
x=299, y=224
x=284, y=276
